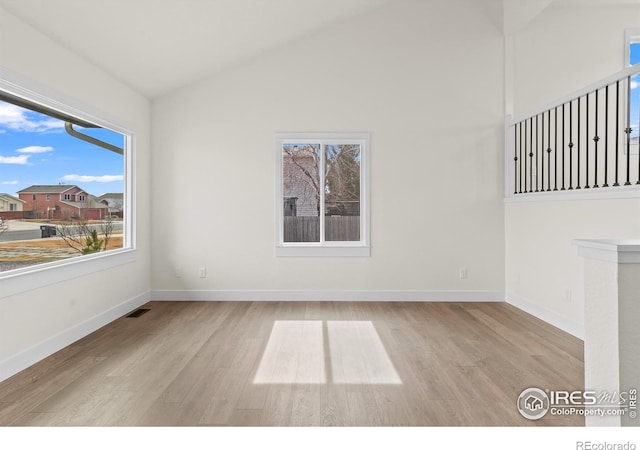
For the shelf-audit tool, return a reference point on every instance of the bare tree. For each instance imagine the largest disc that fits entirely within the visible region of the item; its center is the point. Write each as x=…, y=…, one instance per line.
x=84, y=236
x=301, y=176
x=3, y=226
x=301, y=173
x=342, y=173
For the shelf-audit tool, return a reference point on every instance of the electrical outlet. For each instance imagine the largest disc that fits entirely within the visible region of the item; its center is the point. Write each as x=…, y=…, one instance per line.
x=202, y=272
x=179, y=272
x=463, y=273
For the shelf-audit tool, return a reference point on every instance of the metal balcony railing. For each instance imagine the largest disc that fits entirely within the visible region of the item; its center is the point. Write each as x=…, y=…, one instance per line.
x=587, y=140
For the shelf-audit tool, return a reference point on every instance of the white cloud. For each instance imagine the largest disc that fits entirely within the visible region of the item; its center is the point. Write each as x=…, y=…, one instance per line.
x=10, y=182
x=15, y=118
x=22, y=159
x=92, y=178
x=634, y=84
x=35, y=149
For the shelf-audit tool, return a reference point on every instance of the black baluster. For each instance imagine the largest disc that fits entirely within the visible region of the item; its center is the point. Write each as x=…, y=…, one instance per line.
x=571, y=145
x=531, y=156
x=520, y=165
x=578, y=147
x=596, y=138
x=555, y=150
x=586, y=143
x=549, y=150
x=616, y=183
x=526, y=129
x=536, y=147
x=542, y=153
x=515, y=159
x=563, y=141
x=628, y=130
x=606, y=136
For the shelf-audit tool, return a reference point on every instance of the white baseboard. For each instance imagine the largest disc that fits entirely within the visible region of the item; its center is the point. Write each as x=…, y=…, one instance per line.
x=574, y=328
x=328, y=295
x=30, y=356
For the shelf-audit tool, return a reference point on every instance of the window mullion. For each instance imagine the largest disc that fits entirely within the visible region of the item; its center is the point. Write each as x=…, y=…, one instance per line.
x=321, y=189
x=363, y=192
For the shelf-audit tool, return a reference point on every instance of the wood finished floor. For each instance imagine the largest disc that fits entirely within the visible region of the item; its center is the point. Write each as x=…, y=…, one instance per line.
x=194, y=363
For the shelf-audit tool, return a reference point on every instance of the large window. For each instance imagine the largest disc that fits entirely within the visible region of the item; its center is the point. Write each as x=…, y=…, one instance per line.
x=65, y=173
x=322, y=191
x=632, y=57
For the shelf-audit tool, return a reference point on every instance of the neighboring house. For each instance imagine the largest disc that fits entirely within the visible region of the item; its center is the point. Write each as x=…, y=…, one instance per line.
x=114, y=203
x=9, y=203
x=301, y=185
x=301, y=180
x=60, y=201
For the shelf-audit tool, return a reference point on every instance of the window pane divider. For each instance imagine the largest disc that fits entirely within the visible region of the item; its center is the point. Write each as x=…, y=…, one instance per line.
x=321, y=187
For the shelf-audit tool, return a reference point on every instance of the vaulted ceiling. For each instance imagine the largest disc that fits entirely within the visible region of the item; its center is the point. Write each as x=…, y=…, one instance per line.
x=156, y=46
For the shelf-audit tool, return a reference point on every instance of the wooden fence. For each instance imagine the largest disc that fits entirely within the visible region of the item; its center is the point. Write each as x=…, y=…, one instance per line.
x=307, y=229
x=14, y=215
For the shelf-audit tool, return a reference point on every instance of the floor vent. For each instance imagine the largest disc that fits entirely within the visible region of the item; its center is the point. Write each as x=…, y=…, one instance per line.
x=139, y=312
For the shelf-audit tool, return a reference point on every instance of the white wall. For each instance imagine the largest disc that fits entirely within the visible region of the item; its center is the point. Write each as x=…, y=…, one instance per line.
x=38, y=321
x=563, y=49
x=424, y=78
x=543, y=271
x=566, y=48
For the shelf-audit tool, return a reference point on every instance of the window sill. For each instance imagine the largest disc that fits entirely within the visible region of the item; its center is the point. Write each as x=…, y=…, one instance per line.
x=40, y=275
x=335, y=251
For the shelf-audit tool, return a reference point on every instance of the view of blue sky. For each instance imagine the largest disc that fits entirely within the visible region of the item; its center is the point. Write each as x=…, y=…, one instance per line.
x=634, y=105
x=35, y=149
x=634, y=57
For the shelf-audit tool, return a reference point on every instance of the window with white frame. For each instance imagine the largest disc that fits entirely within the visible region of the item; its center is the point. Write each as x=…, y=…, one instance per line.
x=632, y=57
x=51, y=149
x=322, y=194
x=632, y=47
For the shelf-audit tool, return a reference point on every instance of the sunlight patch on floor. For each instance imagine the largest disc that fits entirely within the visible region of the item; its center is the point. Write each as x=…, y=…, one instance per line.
x=296, y=354
x=358, y=355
